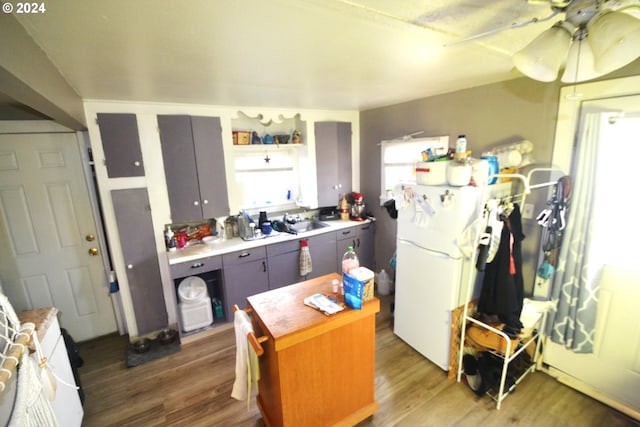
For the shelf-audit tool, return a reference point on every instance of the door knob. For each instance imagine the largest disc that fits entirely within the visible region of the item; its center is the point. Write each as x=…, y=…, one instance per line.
x=93, y=251
x=90, y=237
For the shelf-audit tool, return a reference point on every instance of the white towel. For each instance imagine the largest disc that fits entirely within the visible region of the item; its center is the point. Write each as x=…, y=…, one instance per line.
x=247, y=369
x=306, y=265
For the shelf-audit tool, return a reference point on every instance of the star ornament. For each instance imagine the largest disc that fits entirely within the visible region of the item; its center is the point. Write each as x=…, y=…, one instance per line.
x=267, y=159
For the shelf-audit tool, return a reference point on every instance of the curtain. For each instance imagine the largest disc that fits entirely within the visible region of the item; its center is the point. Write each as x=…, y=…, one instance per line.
x=574, y=293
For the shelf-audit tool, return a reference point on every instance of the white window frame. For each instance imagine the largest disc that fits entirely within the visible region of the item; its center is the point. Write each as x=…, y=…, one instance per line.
x=434, y=142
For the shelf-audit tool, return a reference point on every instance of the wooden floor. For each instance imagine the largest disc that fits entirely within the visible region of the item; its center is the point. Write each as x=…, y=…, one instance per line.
x=192, y=388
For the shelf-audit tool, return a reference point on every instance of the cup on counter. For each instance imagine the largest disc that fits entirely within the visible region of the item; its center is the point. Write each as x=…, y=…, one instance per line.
x=267, y=228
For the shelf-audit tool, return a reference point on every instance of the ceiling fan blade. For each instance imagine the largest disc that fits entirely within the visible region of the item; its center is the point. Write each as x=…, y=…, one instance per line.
x=554, y=13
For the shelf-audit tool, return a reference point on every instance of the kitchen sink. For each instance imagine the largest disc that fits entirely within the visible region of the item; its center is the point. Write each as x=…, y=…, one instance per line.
x=307, y=225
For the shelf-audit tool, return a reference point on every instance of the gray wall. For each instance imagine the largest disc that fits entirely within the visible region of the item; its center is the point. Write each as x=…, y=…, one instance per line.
x=489, y=115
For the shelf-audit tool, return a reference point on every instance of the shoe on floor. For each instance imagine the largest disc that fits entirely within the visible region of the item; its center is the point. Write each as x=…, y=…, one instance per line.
x=472, y=374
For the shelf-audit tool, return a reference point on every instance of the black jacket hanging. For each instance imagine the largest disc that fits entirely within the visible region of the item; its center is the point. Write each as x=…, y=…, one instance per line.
x=502, y=286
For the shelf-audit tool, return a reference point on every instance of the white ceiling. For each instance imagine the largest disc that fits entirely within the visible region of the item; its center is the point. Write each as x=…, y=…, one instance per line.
x=328, y=54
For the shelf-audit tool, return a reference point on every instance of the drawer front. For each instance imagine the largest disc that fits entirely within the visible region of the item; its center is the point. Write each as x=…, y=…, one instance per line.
x=244, y=256
x=190, y=268
x=347, y=233
x=283, y=248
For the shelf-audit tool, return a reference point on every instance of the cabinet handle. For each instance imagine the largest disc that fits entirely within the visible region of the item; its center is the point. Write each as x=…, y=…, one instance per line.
x=244, y=254
x=136, y=163
x=130, y=266
x=205, y=202
x=264, y=267
x=366, y=227
x=358, y=242
x=198, y=265
x=344, y=233
x=196, y=203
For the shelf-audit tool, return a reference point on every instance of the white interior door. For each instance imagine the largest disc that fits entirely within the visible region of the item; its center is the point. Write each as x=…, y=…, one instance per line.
x=49, y=241
x=612, y=372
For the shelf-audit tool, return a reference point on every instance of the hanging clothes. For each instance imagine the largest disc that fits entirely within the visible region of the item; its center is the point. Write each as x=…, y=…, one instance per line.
x=502, y=292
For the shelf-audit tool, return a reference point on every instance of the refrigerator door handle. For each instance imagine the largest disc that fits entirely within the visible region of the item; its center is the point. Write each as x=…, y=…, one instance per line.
x=440, y=253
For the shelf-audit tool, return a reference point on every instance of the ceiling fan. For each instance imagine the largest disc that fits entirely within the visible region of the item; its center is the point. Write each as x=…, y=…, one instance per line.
x=595, y=38
x=592, y=37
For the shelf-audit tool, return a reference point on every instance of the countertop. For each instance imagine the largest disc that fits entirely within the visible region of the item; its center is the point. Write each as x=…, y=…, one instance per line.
x=41, y=317
x=219, y=247
x=288, y=321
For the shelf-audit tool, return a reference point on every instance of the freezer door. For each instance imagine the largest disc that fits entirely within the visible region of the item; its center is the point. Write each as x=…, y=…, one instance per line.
x=435, y=216
x=427, y=289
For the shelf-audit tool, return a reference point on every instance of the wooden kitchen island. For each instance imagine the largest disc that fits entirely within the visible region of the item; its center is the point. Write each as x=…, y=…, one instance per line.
x=316, y=370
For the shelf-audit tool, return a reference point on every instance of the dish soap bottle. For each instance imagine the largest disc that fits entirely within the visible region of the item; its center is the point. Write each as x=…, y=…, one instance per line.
x=344, y=207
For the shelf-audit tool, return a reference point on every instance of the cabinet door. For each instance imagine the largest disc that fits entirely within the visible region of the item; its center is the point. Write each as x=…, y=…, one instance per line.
x=333, y=161
x=133, y=216
x=365, y=248
x=194, y=167
x=121, y=145
x=284, y=269
x=323, y=254
x=242, y=281
x=178, y=155
x=212, y=178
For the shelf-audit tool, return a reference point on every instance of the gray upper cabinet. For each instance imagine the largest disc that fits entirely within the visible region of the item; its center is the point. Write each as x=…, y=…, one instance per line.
x=133, y=217
x=121, y=145
x=194, y=167
x=333, y=161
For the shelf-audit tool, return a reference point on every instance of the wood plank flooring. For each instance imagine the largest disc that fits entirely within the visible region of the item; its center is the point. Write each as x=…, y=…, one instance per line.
x=192, y=388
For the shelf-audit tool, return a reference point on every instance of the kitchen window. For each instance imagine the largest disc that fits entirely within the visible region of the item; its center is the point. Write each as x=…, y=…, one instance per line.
x=266, y=179
x=398, y=158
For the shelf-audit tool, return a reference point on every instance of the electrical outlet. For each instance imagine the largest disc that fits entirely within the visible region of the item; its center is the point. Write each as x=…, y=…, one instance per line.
x=527, y=211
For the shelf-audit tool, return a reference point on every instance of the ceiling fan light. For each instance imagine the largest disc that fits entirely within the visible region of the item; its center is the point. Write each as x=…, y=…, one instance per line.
x=614, y=38
x=579, y=65
x=542, y=58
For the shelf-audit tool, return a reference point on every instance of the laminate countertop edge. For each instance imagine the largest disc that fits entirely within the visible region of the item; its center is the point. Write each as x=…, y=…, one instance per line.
x=222, y=247
x=42, y=318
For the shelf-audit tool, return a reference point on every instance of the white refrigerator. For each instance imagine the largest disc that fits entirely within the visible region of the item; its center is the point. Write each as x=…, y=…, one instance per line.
x=431, y=270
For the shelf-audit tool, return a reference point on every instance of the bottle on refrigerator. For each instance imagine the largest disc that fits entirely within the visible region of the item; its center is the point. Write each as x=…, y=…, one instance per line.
x=461, y=144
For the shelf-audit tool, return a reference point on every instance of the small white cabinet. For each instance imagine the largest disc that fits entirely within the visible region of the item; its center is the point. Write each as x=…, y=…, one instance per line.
x=66, y=404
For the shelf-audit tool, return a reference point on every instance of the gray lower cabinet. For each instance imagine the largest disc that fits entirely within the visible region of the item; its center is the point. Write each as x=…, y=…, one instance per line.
x=323, y=254
x=245, y=273
x=194, y=167
x=137, y=241
x=284, y=263
x=362, y=239
x=120, y=144
x=345, y=238
x=284, y=259
x=333, y=161
x=365, y=245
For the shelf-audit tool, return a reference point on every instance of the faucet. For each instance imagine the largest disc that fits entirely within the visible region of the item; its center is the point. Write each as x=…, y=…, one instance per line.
x=290, y=219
